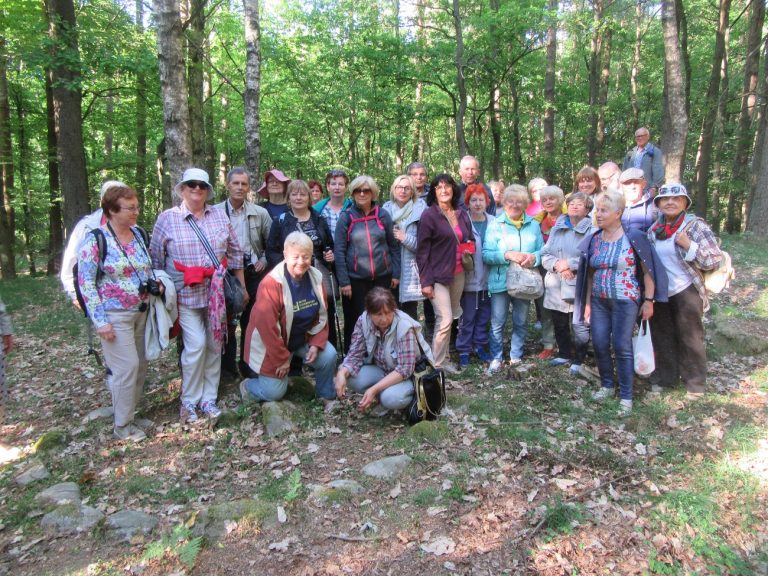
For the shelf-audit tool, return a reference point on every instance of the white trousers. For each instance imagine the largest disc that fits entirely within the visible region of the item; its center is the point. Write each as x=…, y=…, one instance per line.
x=200, y=359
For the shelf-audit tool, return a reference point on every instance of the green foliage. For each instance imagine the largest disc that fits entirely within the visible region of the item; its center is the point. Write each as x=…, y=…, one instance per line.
x=178, y=543
x=561, y=517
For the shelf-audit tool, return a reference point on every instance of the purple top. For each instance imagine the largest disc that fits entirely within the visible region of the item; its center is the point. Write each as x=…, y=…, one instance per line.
x=436, y=245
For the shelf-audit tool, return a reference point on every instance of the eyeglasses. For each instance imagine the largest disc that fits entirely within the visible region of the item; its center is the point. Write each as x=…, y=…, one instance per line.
x=362, y=191
x=637, y=136
x=134, y=209
x=402, y=188
x=195, y=184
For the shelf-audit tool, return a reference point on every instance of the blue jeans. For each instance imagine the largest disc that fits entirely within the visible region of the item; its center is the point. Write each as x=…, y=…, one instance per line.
x=396, y=397
x=612, y=323
x=269, y=389
x=473, y=326
x=499, y=309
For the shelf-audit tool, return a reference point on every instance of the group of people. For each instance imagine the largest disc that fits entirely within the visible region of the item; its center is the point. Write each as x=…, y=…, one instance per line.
x=620, y=247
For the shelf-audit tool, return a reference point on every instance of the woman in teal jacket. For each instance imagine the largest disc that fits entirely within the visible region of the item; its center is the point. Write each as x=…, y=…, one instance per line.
x=512, y=237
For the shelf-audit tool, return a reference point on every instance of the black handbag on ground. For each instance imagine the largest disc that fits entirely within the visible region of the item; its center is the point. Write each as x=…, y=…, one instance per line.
x=429, y=392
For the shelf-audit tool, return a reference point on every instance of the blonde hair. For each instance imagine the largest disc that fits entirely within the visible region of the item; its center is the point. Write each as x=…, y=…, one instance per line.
x=516, y=191
x=297, y=186
x=410, y=184
x=360, y=181
x=612, y=199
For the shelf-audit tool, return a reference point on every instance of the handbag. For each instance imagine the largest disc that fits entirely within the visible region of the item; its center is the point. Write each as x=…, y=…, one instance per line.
x=642, y=346
x=233, y=290
x=524, y=283
x=466, y=249
x=429, y=392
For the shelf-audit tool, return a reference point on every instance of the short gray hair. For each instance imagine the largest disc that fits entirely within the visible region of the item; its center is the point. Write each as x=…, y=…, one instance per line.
x=552, y=191
x=516, y=191
x=586, y=198
x=612, y=199
x=298, y=240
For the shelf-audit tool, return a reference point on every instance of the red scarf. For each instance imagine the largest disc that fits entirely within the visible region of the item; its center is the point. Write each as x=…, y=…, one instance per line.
x=664, y=230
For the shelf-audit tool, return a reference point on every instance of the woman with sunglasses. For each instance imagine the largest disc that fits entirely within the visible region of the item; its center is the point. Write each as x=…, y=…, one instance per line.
x=367, y=252
x=116, y=288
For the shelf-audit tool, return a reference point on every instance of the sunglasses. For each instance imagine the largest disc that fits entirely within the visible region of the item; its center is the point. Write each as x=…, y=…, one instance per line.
x=362, y=191
x=195, y=184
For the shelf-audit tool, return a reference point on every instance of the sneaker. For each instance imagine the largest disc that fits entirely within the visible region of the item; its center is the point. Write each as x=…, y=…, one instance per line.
x=209, y=409
x=625, y=407
x=463, y=360
x=559, y=361
x=450, y=368
x=515, y=361
x=188, y=413
x=546, y=354
x=482, y=355
x=245, y=397
x=143, y=423
x=574, y=369
x=602, y=394
x=494, y=367
x=129, y=432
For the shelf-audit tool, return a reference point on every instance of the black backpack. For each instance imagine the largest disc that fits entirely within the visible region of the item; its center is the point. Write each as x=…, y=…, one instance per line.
x=101, y=244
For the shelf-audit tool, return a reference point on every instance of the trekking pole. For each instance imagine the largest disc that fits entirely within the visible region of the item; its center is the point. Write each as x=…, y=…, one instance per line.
x=339, y=335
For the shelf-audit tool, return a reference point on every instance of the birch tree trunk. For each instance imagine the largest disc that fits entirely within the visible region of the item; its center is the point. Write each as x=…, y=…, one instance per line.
x=173, y=86
x=252, y=88
x=675, y=129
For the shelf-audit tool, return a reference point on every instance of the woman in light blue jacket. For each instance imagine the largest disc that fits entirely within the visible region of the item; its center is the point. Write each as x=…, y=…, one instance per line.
x=406, y=208
x=512, y=237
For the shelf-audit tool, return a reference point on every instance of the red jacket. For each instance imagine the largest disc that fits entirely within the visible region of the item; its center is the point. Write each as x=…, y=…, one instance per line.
x=266, y=339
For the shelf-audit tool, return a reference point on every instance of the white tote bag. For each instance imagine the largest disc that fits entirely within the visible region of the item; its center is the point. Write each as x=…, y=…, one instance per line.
x=645, y=363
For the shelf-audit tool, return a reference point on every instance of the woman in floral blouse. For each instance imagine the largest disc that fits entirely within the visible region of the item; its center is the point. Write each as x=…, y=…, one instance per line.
x=115, y=288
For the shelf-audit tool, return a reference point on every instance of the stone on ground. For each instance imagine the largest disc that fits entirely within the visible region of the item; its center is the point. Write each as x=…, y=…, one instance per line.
x=51, y=440
x=127, y=523
x=59, y=494
x=216, y=521
x=71, y=518
x=98, y=414
x=386, y=468
x=276, y=417
x=34, y=472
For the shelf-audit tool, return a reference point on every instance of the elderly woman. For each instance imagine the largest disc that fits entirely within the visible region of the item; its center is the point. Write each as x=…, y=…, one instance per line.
x=194, y=243
x=475, y=301
x=115, y=287
x=685, y=246
x=274, y=190
x=497, y=190
x=444, y=234
x=290, y=318
x=386, y=344
x=619, y=277
x=560, y=258
x=330, y=208
x=512, y=237
x=315, y=191
x=405, y=207
x=587, y=180
x=367, y=252
x=300, y=216
x=534, y=187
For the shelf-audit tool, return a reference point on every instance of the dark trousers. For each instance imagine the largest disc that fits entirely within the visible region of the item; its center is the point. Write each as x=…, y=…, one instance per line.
x=678, y=341
x=355, y=306
x=411, y=308
x=573, y=348
x=229, y=354
x=429, y=319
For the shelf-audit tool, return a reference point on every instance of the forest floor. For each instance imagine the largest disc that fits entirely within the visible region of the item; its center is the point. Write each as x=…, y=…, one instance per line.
x=523, y=474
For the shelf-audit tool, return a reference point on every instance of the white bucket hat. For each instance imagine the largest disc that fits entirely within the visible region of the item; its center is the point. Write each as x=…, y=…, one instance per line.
x=197, y=175
x=668, y=190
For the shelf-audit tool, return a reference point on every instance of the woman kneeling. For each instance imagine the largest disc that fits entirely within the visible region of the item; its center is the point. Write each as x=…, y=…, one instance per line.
x=386, y=343
x=290, y=318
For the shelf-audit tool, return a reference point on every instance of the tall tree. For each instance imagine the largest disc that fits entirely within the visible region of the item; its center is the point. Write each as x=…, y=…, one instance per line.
x=7, y=220
x=173, y=84
x=704, y=154
x=757, y=221
x=56, y=233
x=196, y=42
x=549, y=93
x=252, y=87
x=460, y=107
x=596, y=50
x=140, y=177
x=675, y=128
x=67, y=102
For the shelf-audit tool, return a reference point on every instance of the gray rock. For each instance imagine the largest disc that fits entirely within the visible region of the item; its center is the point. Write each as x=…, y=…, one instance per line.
x=127, y=523
x=386, y=468
x=729, y=336
x=216, y=521
x=64, y=493
x=34, y=472
x=348, y=485
x=98, y=414
x=71, y=518
x=276, y=419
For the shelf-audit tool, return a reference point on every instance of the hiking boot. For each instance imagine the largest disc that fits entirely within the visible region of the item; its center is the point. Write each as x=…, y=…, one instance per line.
x=482, y=355
x=625, y=407
x=546, y=354
x=188, y=414
x=494, y=367
x=463, y=360
x=210, y=410
x=129, y=432
x=602, y=394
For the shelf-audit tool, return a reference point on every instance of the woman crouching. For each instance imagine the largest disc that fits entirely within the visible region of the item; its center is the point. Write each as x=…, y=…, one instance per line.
x=386, y=343
x=290, y=318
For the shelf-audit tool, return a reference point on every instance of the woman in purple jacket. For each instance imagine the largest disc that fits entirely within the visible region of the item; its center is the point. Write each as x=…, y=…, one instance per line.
x=444, y=233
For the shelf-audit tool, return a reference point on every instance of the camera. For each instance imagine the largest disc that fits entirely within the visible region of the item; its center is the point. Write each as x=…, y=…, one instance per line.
x=151, y=286
x=248, y=262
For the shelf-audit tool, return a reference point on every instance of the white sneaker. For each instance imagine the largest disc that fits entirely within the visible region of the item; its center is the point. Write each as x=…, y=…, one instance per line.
x=493, y=367
x=515, y=361
x=625, y=407
x=602, y=394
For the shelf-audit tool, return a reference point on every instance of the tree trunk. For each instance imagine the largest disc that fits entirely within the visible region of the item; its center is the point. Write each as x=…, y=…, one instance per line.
x=67, y=102
x=252, y=87
x=719, y=181
x=741, y=179
x=704, y=154
x=461, y=109
x=25, y=177
x=517, y=153
x=635, y=67
x=55, y=231
x=757, y=221
x=173, y=85
x=602, y=96
x=549, y=94
x=675, y=129
x=210, y=135
x=141, y=116
x=7, y=220
x=196, y=53
x=682, y=34
x=594, y=80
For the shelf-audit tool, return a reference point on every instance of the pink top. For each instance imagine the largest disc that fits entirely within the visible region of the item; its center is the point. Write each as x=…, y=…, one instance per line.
x=460, y=237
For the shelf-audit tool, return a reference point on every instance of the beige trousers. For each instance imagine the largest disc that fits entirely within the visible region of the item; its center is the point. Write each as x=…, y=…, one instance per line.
x=447, y=305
